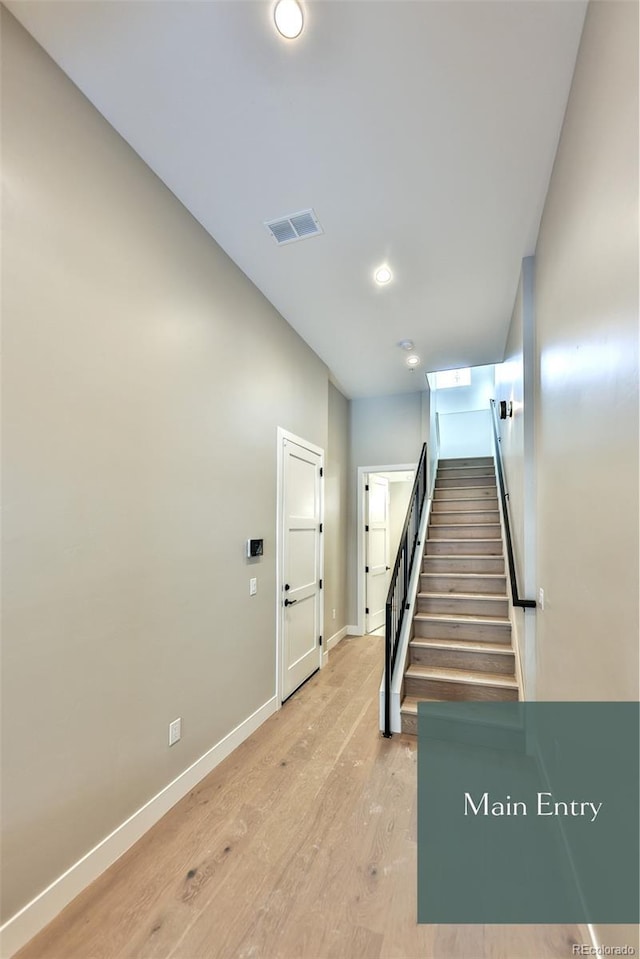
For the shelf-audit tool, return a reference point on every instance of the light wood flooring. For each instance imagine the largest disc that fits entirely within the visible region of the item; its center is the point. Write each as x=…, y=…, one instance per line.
x=301, y=845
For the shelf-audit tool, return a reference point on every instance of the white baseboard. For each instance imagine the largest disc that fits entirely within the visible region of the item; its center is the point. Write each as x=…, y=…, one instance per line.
x=335, y=639
x=353, y=631
x=33, y=917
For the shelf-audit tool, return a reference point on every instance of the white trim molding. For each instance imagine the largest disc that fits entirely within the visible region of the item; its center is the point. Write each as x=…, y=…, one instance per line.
x=335, y=639
x=331, y=642
x=33, y=917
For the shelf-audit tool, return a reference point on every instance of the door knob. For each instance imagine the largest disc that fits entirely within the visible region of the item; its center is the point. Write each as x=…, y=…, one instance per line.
x=290, y=602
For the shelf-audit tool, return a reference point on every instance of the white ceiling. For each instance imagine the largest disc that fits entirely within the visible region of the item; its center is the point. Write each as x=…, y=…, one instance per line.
x=422, y=133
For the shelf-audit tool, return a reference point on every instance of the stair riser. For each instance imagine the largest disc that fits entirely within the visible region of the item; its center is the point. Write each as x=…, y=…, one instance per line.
x=489, y=481
x=409, y=724
x=471, y=692
x=465, y=531
x=452, y=472
x=479, y=492
x=459, y=507
x=466, y=461
x=462, y=505
x=465, y=607
x=442, y=518
x=462, y=659
x=465, y=547
x=463, y=564
x=497, y=737
x=450, y=584
x=484, y=632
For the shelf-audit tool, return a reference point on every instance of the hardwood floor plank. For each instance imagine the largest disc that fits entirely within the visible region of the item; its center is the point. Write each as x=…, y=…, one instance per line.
x=300, y=845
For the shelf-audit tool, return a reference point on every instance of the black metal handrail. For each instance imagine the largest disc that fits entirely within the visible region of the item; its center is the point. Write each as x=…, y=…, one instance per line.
x=397, y=596
x=515, y=595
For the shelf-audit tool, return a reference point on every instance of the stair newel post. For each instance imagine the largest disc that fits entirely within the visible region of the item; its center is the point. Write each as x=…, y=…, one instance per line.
x=405, y=570
x=387, y=670
x=398, y=595
x=424, y=480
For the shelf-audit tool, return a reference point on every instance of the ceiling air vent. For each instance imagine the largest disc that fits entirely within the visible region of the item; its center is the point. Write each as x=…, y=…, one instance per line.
x=296, y=226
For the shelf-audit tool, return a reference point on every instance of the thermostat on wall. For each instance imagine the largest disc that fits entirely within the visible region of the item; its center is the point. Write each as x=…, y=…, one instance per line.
x=255, y=547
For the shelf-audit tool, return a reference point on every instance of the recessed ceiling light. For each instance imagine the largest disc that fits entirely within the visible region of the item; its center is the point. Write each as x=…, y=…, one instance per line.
x=383, y=275
x=288, y=18
x=406, y=345
x=413, y=360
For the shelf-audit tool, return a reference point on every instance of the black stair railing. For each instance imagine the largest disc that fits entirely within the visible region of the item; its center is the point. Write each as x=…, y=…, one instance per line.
x=504, y=496
x=398, y=595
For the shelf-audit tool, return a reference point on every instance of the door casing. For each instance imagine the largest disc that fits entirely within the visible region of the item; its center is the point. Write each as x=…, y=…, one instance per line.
x=363, y=472
x=283, y=435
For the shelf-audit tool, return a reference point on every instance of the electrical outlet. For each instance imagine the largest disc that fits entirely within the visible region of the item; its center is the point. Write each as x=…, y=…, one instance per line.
x=333, y=614
x=175, y=731
x=541, y=598
x=253, y=586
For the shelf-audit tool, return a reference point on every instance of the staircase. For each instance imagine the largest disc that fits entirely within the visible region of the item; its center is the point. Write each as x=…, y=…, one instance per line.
x=461, y=644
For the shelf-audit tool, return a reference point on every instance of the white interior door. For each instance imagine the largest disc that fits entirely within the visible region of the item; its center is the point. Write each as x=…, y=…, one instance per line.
x=301, y=565
x=377, y=551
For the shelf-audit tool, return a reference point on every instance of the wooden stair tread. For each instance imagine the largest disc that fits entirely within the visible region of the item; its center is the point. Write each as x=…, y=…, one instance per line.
x=457, y=525
x=462, y=556
x=491, y=715
x=470, y=499
x=466, y=459
x=462, y=645
x=472, y=677
x=467, y=576
x=466, y=619
x=410, y=703
x=429, y=594
x=463, y=512
x=463, y=539
x=467, y=488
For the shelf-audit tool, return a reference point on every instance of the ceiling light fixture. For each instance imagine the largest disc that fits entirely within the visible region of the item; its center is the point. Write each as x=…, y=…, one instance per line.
x=383, y=275
x=288, y=18
x=412, y=361
x=406, y=345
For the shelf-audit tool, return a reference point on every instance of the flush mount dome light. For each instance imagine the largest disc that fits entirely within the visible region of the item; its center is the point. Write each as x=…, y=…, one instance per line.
x=288, y=18
x=412, y=361
x=383, y=275
x=406, y=345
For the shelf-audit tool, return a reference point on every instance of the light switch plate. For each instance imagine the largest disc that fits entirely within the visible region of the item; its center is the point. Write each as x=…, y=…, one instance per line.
x=175, y=731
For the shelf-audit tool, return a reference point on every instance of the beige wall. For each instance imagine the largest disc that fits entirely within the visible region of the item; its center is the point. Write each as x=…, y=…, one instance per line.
x=510, y=388
x=144, y=379
x=386, y=430
x=336, y=491
x=587, y=413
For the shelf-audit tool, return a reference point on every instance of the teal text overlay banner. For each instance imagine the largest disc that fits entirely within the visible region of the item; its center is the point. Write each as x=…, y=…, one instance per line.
x=528, y=812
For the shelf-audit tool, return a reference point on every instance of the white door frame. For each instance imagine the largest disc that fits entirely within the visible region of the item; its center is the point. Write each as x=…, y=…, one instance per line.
x=282, y=436
x=363, y=472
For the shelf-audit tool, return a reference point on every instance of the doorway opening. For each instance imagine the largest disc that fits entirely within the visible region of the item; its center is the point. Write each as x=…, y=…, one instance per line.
x=384, y=494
